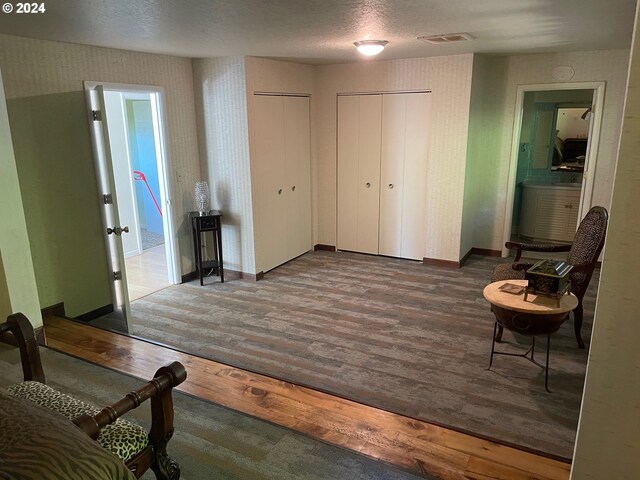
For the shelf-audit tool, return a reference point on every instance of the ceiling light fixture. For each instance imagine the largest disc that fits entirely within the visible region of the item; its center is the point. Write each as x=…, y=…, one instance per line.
x=370, y=47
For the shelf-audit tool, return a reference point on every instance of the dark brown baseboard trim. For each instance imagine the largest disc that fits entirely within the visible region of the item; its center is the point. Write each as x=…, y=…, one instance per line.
x=9, y=339
x=486, y=252
x=326, y=248
x=480, y=251
x=97, y=313
x=465, y=258
x=188, y=277
x=441, y=263
x=56, y=310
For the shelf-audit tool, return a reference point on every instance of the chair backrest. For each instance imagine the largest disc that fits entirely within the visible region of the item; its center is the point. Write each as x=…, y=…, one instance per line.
x=586, y=248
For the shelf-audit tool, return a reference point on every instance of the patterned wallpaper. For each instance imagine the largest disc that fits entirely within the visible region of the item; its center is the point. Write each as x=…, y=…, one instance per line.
x=221, y=105
x=449, y=79
x=45, y=95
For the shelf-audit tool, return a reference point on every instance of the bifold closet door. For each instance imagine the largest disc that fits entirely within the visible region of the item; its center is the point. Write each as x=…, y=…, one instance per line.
x=394, y=110
x=281, y=176
x=359, y=130
x=403, y=175
x=414, y=205
x=269, y=183
x=298, y=175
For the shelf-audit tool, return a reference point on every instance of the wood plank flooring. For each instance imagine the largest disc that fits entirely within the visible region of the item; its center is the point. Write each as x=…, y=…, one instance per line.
x=390, y=333
x=414, y=445
x=147, y=272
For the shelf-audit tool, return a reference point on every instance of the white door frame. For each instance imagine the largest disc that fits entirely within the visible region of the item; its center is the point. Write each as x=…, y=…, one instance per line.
x=588, y=177
x=163, y=155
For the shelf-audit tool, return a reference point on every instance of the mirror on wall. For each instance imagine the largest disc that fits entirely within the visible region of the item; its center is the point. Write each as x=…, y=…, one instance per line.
x=571, y=138
x=555, y=130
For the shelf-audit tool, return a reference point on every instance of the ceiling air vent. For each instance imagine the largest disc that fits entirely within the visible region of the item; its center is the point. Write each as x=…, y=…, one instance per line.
x=446, y=38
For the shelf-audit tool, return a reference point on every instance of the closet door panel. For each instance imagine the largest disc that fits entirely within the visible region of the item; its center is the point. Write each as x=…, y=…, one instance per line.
x=368, y=186
x=415, y=177
x=298, y=175
x=391, y=174
x=268, y=168
x=348, y=145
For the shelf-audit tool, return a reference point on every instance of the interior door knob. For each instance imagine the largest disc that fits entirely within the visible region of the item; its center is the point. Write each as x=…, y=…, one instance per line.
x=293, y=189
x=280, y=192
x=391, y=185
x=368, y=185
x=117, y=230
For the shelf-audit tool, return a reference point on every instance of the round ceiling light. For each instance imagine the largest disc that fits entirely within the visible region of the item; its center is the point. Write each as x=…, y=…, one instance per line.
x=370, y=47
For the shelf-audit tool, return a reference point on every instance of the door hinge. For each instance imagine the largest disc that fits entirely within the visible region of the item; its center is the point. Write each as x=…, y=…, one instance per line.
x=96, y=115
x=117, y=275
x=107, y=198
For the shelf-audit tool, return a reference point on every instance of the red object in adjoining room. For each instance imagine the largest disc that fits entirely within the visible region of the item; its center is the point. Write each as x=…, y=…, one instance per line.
x=137, y=175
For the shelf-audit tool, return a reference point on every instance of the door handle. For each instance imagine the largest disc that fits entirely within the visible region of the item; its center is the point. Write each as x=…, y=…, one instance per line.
x=117, y=230
x=391, y=185
x=293, y=189
x=280, y=192
x=368, y=185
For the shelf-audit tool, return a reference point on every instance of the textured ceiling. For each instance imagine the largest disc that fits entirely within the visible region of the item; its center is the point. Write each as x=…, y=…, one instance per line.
x=323, y=31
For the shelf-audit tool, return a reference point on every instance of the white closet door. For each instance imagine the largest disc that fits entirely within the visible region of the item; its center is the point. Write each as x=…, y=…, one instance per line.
x=368, y=187
x=359, y=130
x=414, y=227
x=348, y=127
x=269, y=182
x=298, y=175
x=394, y=108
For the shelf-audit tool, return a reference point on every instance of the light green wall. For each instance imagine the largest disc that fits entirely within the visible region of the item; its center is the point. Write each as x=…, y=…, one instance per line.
x=480, y=198
x=17, y=281
x=58, y=182
x=45, y=92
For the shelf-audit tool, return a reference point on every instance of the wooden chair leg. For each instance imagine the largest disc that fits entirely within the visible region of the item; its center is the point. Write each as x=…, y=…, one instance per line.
x=577, y=324
x=162, y=426
x=164, y=467
x=498, y=337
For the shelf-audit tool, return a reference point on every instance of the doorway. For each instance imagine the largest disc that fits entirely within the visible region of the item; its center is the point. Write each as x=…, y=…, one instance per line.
x=133, y=135
x=554, y=154
x=132, y=161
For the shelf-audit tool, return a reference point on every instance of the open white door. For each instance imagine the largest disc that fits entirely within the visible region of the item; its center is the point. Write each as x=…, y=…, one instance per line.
x=106, y=189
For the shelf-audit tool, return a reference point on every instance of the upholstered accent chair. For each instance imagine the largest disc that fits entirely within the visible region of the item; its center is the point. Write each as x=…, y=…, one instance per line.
x=583, y=255
x=136, y=447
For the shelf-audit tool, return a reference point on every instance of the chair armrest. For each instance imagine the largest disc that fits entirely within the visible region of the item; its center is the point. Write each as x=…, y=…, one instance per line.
x=583, y=267
x=535, y=247
x=158, y=390
x=25, y=337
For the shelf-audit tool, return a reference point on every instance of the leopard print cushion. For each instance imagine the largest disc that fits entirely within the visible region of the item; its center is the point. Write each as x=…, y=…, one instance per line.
x=122, y=438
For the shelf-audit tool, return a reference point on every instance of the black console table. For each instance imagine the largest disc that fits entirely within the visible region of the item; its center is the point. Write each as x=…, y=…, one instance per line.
x=200, y=225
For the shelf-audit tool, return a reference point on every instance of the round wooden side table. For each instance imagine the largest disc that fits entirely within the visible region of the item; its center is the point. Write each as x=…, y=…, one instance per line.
x=538, y=315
